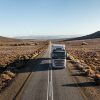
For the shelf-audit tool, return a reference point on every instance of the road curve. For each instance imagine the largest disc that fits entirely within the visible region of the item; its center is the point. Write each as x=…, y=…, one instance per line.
x=46, y=83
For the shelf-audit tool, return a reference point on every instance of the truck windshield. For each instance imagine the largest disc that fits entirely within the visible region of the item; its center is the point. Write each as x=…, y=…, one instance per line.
x=58, y=55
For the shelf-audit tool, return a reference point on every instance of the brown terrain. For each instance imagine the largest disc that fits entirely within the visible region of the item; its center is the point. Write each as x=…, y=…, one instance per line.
x=14, y=54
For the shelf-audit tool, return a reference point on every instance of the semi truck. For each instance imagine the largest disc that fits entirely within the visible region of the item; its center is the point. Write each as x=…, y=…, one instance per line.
x=58, y=56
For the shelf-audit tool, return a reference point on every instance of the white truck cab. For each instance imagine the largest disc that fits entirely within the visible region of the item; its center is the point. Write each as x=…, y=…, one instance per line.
x=58, y=56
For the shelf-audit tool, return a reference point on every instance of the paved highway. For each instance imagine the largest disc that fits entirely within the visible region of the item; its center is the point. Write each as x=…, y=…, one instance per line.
x=46, y=83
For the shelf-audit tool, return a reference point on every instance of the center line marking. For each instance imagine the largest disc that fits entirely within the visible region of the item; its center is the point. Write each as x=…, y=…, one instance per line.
x=50, y=82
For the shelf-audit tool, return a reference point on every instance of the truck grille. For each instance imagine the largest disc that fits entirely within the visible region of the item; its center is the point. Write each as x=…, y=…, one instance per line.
x=59, y=63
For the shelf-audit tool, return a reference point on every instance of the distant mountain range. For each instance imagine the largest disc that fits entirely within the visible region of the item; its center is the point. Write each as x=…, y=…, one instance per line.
x=45, y=37
x=90, y=36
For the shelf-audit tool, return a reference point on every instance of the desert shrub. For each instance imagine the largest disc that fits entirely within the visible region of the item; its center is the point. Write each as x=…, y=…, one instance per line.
x=11, y=74
x=1, y=44
x=5, y=76
x=84, y=43
x=79, y=66
x=89, y=72
x=97, y=79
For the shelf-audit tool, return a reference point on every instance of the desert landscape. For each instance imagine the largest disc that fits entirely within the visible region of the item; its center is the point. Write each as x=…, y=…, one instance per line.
x=17, y=58
x=49, y=49
x=14, y=54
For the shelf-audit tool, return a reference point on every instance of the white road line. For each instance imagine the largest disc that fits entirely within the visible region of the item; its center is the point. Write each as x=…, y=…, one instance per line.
x=50, y=90
x=52, y=84
x=48, y=84
x=50, y=80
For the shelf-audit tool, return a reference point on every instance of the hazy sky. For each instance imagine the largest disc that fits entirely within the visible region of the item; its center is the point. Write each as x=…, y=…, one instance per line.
x=49, y=17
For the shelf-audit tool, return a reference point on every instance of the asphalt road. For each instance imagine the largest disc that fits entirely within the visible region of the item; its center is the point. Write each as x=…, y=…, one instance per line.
x=46, y=83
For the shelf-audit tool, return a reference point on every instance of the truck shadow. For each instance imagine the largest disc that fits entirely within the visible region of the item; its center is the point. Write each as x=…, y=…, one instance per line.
x=79, y=74
x=84, y=84
x=29, y=65
x=34, y=65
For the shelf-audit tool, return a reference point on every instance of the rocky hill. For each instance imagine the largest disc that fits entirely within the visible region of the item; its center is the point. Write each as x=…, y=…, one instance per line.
x=90, y=36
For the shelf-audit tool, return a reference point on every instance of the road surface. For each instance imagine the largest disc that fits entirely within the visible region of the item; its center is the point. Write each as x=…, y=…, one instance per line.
x=46, y=83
